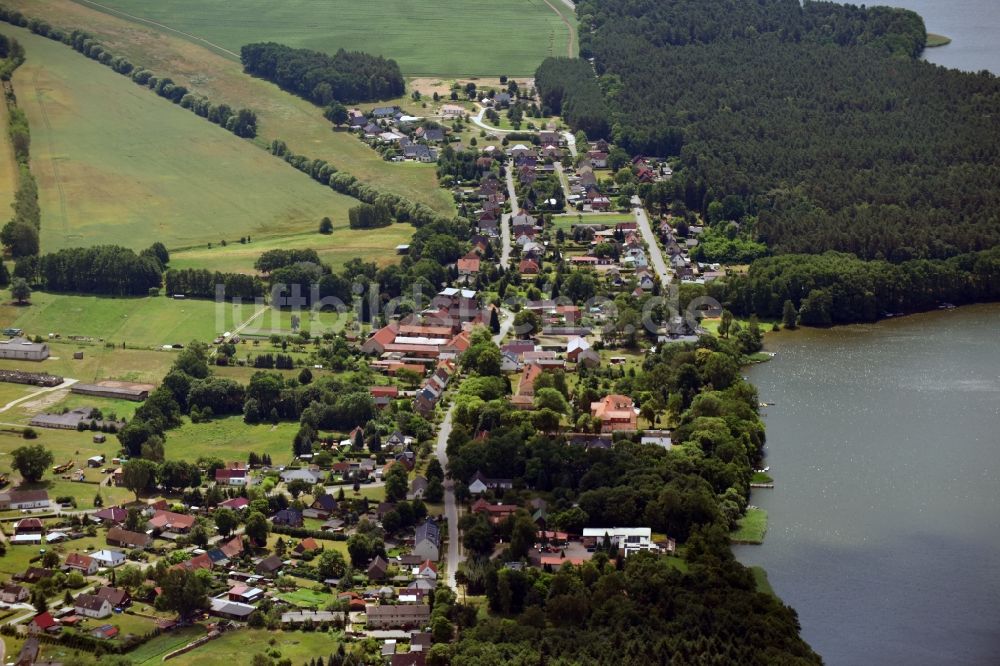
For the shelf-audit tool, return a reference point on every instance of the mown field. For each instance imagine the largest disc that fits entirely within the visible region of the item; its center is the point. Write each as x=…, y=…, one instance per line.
x=378, y=245
x=220, y=78
x=138, y=322
x=117, y=164
x=439, y=37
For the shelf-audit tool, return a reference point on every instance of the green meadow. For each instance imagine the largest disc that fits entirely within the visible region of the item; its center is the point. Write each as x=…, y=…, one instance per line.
x=378, y=245
x=116, y=163
x=437, y=37
x=138, y=322
x=220, y=77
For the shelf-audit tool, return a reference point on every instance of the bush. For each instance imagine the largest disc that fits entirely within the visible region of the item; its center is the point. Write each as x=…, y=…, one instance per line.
x=29, y=433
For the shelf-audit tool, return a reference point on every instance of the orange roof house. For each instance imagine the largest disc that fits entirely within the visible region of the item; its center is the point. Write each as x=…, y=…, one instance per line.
x=616, y=412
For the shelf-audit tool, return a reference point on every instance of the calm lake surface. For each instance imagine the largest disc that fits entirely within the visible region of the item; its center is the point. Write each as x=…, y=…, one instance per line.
x=884, y=443
x=974, y=28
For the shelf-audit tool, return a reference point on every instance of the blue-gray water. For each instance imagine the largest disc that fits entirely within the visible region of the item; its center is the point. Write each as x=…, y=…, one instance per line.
x=884, y=442
x=974, y=28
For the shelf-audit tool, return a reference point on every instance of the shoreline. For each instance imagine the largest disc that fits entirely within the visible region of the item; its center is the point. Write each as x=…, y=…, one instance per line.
x=935, y=40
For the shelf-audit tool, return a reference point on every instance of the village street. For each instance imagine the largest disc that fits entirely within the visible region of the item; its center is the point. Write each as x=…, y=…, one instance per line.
x=655, y=255
x=450, y=507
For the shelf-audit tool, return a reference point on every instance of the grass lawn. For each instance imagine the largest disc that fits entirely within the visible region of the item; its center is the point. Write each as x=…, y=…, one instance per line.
x=532, y=30
x=566, y=221
x=230, y=438
x=147, y=170
x=751, y=527
x=304, y=598
x=763, y=584
x=934, y=39
x=761, y=477
x=138, y=322
x=220, y=78
x=9, y=392
x=238, y=647
x=137, y=365
x=378, y=245
x=153, y=651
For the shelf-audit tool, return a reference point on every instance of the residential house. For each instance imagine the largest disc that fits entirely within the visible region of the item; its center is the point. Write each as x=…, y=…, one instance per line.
x=452, y=111
x=92, y=606
x=19, y=500
x=269, y=566
x=480, y=484
x=236, y=503
x=112, y=515
x=29, y=526
x=44, y=622
x=82, y=563
x=118, y=598
x=12, y=593
x=417, y=488
x=575, y=347
x=288, y=517
x=468, y=266
x=109, y=558
x=495, y=513
x=616, y=412
x=525, y=396
x=312, y=477
x=170, y=522
x=387, y=616
x=245, y=594
x=378, y=568
x=383, y=395
x=233, y=475
x=427, y=541
x=322, y=507
x=598, y=158
x=626, y=539
x=126, y=539
x=307, y=545
x=528, y=267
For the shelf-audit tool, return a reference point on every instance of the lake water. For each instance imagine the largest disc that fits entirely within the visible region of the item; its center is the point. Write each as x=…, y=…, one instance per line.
x=974, y=28
x=884, y=443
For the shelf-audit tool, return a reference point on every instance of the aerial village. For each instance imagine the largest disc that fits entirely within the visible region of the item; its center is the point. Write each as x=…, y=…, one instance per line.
x=356, y=530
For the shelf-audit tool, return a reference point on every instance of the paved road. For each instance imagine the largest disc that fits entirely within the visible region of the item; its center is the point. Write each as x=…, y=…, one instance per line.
x=570, y=142
x=564, y=181
x=478, y=120
x=655, y=255
x=505, y=240
x=450, y=507
x=506, y=321
x=66, y=384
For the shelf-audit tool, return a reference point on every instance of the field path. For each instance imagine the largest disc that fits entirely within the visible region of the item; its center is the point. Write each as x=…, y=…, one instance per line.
x=188, y=35
x=571, y=42
x=66, y=384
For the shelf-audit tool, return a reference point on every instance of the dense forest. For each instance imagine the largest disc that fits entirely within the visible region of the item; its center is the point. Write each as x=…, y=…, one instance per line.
x=568, y=88
x=347, y=77
x=818, y=117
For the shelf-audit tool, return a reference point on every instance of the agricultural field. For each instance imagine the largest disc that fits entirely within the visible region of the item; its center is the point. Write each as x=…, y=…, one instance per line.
x=378, y=245
x=479, y=34
x=220, y=77
x=147, y=170
x=138, y=322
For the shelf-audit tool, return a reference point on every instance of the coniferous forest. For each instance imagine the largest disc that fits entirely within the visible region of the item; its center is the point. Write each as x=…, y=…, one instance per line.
x=821, y=127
